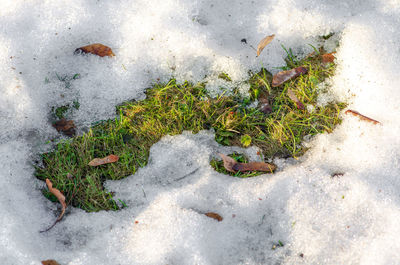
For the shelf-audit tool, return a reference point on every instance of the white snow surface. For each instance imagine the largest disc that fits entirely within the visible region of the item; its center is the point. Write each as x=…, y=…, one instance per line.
x=320, y=219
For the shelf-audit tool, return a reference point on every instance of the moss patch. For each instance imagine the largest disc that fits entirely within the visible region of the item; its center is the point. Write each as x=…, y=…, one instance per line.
x=171, y=108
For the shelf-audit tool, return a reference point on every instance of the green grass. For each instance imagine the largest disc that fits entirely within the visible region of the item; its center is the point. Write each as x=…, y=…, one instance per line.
x=171, y=108
x=63, y=111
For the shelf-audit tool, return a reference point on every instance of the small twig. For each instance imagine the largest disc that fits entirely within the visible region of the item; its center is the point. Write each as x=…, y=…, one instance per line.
x=253, y=48
x=50, y=226
x=187, y=175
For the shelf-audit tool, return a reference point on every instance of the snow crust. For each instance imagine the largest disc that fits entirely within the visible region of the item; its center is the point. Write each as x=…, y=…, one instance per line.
x=351, y=218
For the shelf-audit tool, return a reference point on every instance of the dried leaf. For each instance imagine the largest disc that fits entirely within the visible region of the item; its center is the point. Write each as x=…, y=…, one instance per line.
x=263, y=104
x=328, y=58
x=283, y=76
x=361, y=117
x=214, y=216
x=293, y=97
x=264, y=42
x=254, y=166
x=50, y=262
x=97, y=49
x=229, y=162
x=61, y=199
x=101, y=161
x=67, y=127
x=233, y=166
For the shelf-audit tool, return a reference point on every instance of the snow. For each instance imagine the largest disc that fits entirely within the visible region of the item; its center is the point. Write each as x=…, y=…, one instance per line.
x=320, y=219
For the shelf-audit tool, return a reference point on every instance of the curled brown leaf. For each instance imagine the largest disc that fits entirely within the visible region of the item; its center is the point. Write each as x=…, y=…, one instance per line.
x=293, y=97
x=50, y=262
x=229, y=162
x=101, y=161
x=254, y=166
x=265, y=107
x=214, y=216
x=361, y=117
x=61, y=199
x=97, y=49
x=233, y=166
x=263, y=104
x=328, y=58
x=264, y=42
x=283, y=76
x=67, y=127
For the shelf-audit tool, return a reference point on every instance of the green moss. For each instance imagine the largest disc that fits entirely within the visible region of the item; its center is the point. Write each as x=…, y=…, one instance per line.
x=65, y=110
x=61, y=111
x=171, y=108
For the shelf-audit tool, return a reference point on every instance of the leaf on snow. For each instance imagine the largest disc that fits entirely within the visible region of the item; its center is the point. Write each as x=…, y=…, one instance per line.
x=328, y=58
x=361, y=117
x=214, y=216
x=233, y=166
x=61, y=199
x=293, y=97
x=101, y=161
x=67, y=127
x=97, y=49
x=264, y=42
x=283, y=76
x=50, y=262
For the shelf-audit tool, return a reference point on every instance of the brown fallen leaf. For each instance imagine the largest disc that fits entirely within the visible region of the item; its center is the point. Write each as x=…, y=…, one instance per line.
x=283, y=76
x=101, y=161
x=50, y=262
x=264, y=42
x=61, y=199
x=263, y=103
x=254, y=166
x=97, y=49
x=328, y=58
x=229, y=162
x=361, y=117
x=214, y=216
x=293, y=97
x=233, y=166
x=67, y=127
x=337, y=174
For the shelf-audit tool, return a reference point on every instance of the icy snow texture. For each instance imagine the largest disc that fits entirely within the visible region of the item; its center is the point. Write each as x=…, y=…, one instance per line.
x=347, y=219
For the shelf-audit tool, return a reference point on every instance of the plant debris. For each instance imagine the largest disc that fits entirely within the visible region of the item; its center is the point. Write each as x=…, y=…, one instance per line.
x=171, y=108
x=328, y=58
x=293, y=97
x=97, y=49
x=61, y=199
x=101, y=161
x=50, y=262
x=283, y=76
x=214, y=216
x=264, y=105
x=65, y=126
x=361, y=117
x=233, y=166
x=264, y=42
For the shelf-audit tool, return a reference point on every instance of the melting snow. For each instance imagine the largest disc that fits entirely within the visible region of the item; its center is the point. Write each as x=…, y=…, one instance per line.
x=348, y=219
